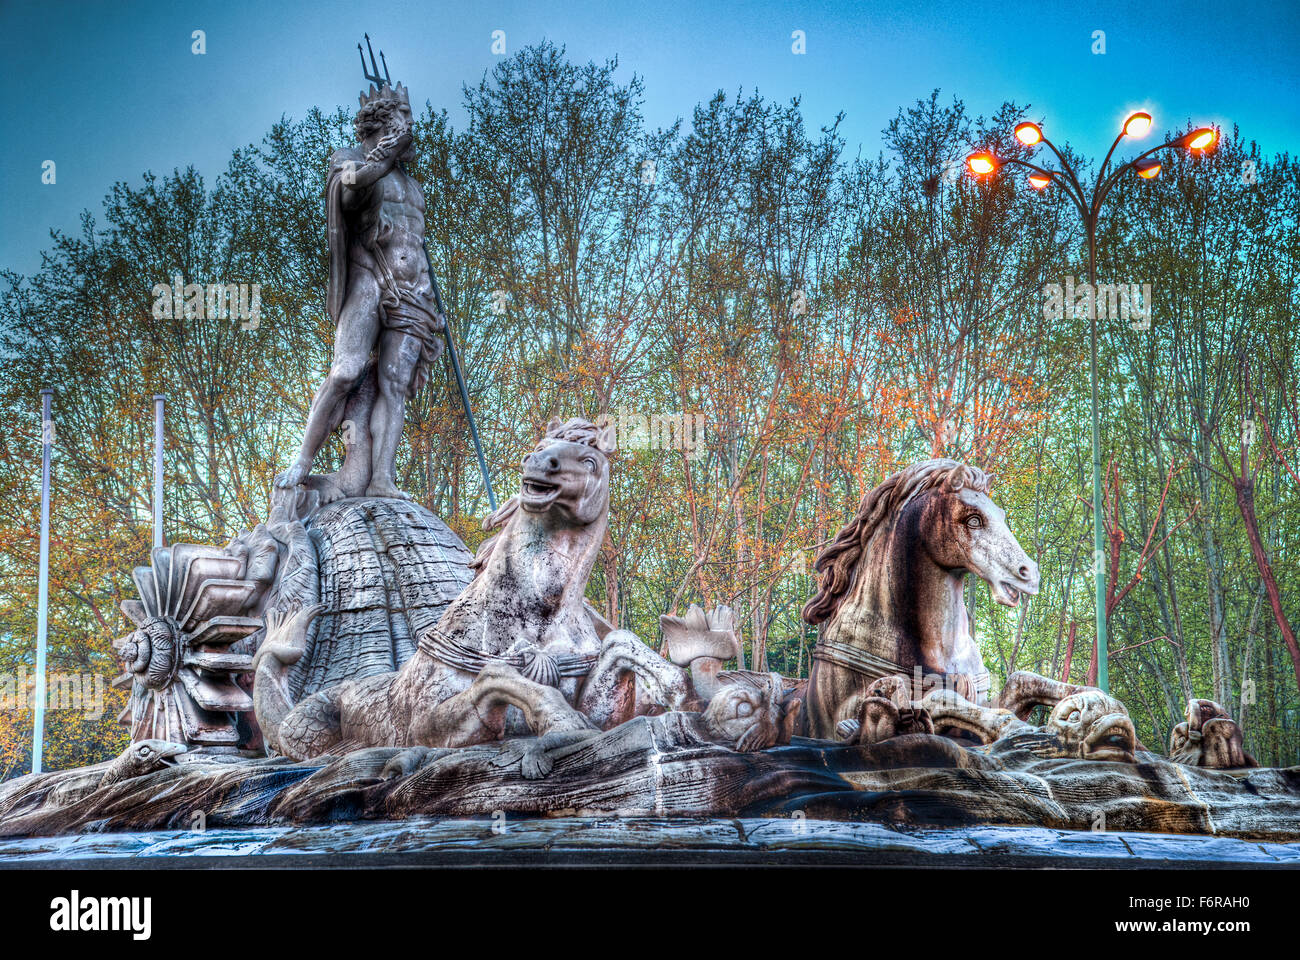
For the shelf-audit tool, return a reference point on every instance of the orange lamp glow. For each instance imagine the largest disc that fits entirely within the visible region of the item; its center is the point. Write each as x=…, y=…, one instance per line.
x=1138, y=125
x=981, y=164
x=1148, y=169
x=1039, y=180
x=1028, y=133
x=1202, y=139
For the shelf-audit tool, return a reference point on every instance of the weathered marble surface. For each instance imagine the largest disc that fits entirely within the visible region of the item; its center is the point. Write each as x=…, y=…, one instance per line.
x=657, y=765
x=678, y=841
x=387, y=568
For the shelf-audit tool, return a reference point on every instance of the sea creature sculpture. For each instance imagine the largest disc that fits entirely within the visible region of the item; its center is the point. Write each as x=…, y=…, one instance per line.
x=1208, y=737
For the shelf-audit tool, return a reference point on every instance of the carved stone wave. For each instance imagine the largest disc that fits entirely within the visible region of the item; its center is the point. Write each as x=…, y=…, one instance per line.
x=667, y=765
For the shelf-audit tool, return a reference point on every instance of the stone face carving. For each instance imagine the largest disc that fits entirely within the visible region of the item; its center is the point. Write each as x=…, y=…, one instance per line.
x=1086, y=720
x=750, y=711
x=1083, y=722
x=1208, y=737
x=891, y=588
x=383, y=300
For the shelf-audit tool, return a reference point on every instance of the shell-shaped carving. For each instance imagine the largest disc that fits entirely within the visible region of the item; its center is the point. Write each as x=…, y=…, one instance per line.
x=384, y=569
x=158, y=644
x=136, y=650
x=381, y=568
x=182, y=675
x=541, y=668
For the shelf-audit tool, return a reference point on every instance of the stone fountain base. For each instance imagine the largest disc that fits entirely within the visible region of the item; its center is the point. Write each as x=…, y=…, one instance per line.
x=592, y=841
x=660, y=767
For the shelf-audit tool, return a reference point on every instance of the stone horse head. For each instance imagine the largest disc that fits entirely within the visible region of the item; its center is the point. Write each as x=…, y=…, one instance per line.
x=567, y=473
x=564, y=486
x=531, y=574
x=890, y=598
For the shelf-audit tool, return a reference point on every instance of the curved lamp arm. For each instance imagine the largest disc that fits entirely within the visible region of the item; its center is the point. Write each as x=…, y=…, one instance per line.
x=1104, y=188
x=1101, y=171
x=1054, y=175
x=1065, y=165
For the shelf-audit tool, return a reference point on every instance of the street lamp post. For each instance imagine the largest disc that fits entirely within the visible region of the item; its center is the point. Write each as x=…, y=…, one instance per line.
x=984, y=164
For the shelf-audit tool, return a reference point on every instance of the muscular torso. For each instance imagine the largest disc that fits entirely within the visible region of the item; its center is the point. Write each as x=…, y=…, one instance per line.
x=389, y=214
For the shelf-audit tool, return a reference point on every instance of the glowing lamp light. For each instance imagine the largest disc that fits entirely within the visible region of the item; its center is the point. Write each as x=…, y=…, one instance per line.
x=1039, y=180
x=981, y=164
x=1138, y=125
x=1028, y=133
x=1148, y=169
x=1202, y=139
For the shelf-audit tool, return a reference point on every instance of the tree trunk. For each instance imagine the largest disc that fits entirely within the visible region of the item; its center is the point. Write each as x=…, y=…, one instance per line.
x=1069, y=652
x=1245, y=490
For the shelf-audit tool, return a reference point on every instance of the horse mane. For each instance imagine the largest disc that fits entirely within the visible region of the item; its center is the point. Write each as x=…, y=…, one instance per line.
x=838, y=563
x=575, y=430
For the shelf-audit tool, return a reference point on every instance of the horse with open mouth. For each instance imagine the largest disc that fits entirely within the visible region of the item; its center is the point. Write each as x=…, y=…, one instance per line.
x=518, y=653
x=890, y=598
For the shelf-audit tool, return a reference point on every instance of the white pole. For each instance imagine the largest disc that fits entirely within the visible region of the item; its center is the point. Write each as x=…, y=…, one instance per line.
x=158, y=470
x=43, y=588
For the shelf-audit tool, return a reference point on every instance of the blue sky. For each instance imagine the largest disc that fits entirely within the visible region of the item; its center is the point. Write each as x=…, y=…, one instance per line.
x=109, y=90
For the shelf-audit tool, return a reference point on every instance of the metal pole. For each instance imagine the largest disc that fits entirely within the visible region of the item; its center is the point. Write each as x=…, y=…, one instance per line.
x=1098, y=536
x=1089, y=210
x=158, y=401
x=43, y=583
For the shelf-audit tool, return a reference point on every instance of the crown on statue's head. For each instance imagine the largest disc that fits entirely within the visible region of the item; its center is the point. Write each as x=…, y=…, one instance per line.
x=385, y=92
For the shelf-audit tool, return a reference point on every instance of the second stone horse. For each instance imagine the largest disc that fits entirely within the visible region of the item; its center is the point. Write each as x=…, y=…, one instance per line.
x=891, y=590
